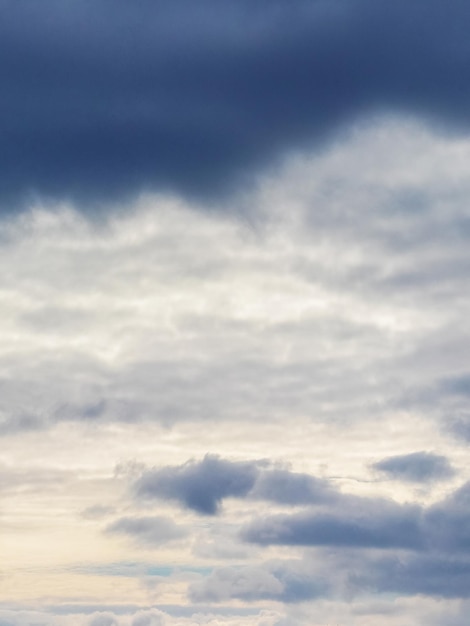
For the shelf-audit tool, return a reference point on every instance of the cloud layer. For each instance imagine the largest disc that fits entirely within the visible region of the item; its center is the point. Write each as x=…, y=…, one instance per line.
x=102, y=103
x=254, y=417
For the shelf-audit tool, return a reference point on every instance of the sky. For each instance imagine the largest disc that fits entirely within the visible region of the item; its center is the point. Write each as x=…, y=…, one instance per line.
x=234, y=294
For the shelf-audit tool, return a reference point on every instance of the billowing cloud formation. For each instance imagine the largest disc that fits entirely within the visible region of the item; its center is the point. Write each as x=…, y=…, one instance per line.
x=416, y=467
x=202, y=485
x=103, y=100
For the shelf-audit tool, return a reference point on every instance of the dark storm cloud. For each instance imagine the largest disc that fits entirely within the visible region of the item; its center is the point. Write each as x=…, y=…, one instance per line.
x=416, y=467
x=202, y=485
x=150, y=531
x=101, y=99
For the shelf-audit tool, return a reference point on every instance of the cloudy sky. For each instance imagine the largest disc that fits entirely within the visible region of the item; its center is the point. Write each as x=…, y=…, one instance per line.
x=234, y=287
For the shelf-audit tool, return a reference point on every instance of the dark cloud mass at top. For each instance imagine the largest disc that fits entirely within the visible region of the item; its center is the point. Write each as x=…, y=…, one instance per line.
x=102, y=100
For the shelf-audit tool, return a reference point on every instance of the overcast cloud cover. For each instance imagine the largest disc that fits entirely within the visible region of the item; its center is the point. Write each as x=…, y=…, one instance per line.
x=234, y=286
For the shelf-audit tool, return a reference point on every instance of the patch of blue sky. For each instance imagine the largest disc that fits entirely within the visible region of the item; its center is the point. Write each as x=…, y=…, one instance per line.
x=135, y=569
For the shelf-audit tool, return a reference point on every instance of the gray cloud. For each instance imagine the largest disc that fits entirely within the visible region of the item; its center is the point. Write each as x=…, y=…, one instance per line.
x=448, y=522
x=285, y=581
x=150, y=531
x=97, y=511
x=337, y=519
x=430, y=575
x=130, y=615
x=416, y=467
x=199, y=485
x=285, y=487
x=21, y=422
x=104, y=619
x=202, y=485
x=456, y=617
x=354, y=572
x=440, y=531
x=375, y=525
x=148, y=618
